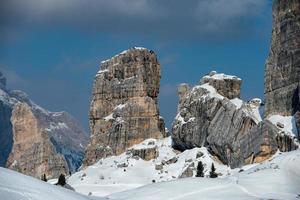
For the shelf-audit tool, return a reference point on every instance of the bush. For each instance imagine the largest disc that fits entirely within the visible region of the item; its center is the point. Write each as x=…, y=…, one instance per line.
x=213, y=173
x=61, y=180
x=44, y=178
x=200, y=169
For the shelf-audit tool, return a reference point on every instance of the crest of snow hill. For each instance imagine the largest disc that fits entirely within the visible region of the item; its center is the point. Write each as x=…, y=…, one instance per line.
x=35, y=141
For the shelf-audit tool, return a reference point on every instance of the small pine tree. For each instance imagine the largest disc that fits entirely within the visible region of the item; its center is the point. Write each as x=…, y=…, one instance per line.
x=61, y=180
x=44, y=178
x=213, y=173
x=200, y=169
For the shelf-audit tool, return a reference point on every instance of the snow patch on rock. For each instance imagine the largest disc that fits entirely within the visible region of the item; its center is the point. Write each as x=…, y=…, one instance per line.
x=285, y=123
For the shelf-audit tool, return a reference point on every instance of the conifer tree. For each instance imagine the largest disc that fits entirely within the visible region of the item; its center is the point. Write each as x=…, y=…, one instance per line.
x=44, y=178
x=200, y=169
x=61, y=180
x=213, y=173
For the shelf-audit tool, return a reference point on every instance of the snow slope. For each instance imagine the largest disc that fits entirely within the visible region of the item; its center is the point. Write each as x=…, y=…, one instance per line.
x=124, y=172
x=277, y=178
x=16, y=186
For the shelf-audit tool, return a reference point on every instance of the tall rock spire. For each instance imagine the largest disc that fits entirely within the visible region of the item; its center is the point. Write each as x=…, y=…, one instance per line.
x=124, y=108
x=282, y=73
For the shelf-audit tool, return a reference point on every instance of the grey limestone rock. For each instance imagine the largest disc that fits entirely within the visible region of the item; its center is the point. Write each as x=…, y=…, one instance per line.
x=231, y=129
x=282, y=73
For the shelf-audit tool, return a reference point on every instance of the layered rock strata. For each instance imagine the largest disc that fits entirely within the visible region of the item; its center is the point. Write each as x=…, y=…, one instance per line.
x=282, y=73
x=230, y=128
x=124, y=109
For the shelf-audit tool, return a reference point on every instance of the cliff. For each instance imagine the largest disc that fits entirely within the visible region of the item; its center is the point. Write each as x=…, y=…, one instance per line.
x=124, y=109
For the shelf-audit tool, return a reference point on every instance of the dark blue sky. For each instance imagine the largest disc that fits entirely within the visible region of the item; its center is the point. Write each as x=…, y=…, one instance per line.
x=52, y=49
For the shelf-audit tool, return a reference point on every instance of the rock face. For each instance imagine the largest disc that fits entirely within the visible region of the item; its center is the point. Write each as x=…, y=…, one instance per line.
x=230, y=128
x=33, y=153
x=188, y=172
x=124, y=109
x=282, y=74
x=227, y=86
x=145, y=152
x=35, y=141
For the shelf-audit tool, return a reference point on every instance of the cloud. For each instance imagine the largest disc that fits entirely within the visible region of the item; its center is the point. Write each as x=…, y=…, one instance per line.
x=202, y=19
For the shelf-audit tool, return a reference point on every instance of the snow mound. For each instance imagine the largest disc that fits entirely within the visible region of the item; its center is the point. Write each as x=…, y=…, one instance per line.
x=16, y=186
x=277, y=178
x=124, y=172
x=287, y=124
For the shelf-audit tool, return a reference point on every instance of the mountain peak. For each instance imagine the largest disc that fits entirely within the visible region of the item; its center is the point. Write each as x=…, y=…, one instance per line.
x=2, y=80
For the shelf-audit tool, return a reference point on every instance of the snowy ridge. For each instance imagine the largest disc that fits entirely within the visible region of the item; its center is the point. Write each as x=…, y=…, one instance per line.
x=123, y=172
x=6, y=99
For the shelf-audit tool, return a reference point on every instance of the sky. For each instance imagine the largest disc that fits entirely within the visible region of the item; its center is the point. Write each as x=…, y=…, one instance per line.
x=52, y=49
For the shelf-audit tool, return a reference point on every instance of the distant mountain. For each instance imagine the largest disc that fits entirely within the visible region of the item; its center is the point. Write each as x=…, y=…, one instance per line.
x=35, y=141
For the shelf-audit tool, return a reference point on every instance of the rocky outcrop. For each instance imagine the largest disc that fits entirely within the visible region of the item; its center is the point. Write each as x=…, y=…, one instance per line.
x=124, y=109
x=188, y=172
x=148, y=153
x=35, y=141
x=282, y=73
x=230, y=128
x=227, y=86
x=33, y=153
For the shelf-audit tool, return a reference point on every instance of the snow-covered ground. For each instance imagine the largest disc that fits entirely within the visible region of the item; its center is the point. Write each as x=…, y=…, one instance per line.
x=277, y=178
x=16, y=186
x=120, y=173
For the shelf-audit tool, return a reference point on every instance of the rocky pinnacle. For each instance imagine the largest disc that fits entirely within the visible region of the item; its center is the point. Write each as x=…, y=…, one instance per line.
x=282, y=73
x=124, y=109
